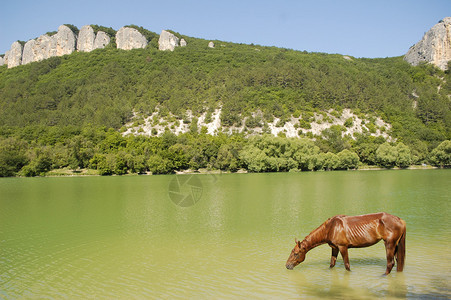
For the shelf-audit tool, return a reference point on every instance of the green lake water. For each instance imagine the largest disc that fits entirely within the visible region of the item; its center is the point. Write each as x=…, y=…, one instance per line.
x=229, y=237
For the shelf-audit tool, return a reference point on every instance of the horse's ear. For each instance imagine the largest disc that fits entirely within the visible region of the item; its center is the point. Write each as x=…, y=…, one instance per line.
x=296, y=240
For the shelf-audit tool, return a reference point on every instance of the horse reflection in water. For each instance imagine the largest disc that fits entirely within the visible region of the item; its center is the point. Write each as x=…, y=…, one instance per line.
x=342, y=232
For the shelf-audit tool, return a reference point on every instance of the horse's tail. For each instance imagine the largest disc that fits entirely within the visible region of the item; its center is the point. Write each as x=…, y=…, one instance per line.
x=401, y=252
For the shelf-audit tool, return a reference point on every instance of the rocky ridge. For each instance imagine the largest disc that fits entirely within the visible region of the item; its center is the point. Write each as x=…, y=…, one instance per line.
x=434, y=47
x=65, y=41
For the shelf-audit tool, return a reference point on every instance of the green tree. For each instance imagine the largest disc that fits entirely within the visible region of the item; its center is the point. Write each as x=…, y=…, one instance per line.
x=159, y=165
x=119, y=162
x=113, y=141
x=367, y=153
x=419, y=151
x=330, y=161
x=104, y=163
x=304, y=152
x=389, y=156
x=38, y=166
x=332, y=140
x=80, y=152
x=254, y=159
x=441, y=156
x=12, y=156
x=386, y=155
x=348, y=160
x=136, y=163
x=178, y=155
x=403, y=159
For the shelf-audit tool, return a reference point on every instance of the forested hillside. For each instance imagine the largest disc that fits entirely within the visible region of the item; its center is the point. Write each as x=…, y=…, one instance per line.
x=68, y=111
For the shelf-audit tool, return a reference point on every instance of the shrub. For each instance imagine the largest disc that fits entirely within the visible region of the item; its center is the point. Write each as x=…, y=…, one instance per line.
x=304, y=124
x=349, y=122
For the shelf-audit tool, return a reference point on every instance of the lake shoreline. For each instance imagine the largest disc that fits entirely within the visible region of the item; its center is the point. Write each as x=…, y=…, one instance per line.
x=65, y=172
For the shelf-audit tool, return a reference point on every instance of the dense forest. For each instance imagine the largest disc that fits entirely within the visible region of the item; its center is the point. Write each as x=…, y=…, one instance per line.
x=69, y=112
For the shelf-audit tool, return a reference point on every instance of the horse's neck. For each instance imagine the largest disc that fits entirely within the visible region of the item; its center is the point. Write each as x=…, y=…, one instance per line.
x=315, y=238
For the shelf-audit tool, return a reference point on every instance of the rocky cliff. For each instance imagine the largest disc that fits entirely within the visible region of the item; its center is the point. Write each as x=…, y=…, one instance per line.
x=434, y=47
x=45, y=46
x=36, y=50
x=129, y=38
x=65, y=41
x=88, y=40
x=13, y=57
x=167, y=41
x=102, y=40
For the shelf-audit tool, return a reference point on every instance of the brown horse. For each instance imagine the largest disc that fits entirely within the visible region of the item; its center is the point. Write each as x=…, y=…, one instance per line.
x=342, y=232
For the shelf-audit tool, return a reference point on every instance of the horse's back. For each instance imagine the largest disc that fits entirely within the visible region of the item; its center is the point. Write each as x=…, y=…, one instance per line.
x=386, y=225
x=385, y=218
x=365, y=230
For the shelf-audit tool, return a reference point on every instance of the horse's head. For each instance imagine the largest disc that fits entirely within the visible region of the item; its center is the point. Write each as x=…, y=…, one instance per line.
x=297, y=255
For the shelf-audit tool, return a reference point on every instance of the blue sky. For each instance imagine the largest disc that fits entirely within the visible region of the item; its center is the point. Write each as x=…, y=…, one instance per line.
x=364, y=28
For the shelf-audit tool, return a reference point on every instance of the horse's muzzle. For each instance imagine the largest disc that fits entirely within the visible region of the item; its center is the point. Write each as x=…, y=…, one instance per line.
x=289, y=266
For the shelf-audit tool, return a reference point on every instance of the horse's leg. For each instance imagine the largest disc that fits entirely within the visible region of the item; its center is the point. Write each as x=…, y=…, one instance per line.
x=333, y=259
x=344, y=254
x=390, y=248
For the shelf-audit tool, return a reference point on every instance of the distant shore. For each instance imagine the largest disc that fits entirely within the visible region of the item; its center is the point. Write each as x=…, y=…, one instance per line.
x=66, y=172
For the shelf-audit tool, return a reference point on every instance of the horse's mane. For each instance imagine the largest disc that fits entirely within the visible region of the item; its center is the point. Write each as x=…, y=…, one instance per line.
x=316, y=237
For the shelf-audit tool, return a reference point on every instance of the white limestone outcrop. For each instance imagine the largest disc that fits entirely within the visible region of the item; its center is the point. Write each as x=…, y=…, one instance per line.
x=167, y=41
x=45, y=46
x=102, y=40
x=13, y=57
x=86, y=38
x=434, y=47
x=129, y=38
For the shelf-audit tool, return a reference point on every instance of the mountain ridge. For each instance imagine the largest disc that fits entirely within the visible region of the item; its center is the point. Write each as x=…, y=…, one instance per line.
x=69, y=39
x=434, y=47
x=274, y=109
